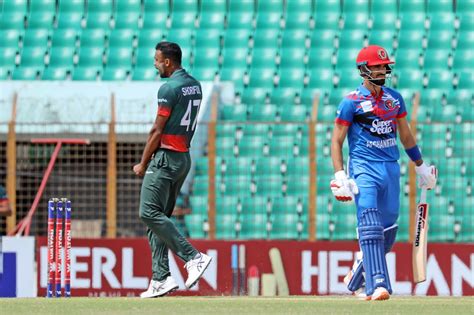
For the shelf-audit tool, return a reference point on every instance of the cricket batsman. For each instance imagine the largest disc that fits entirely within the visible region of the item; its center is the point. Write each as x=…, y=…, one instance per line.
x=370, y=117
x=165, y=163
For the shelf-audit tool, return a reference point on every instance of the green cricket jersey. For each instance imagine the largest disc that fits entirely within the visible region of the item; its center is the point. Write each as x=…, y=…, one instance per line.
x=179, y=99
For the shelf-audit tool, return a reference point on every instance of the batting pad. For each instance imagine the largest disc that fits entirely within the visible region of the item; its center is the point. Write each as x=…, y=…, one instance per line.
x=357, y=279
x=371, y=240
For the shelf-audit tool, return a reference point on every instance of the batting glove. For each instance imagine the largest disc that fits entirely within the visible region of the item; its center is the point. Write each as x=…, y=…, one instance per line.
x=427, y=176
x=343, y=187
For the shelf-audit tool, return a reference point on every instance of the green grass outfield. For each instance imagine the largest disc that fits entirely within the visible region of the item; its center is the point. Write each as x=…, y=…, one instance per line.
x=238, y=305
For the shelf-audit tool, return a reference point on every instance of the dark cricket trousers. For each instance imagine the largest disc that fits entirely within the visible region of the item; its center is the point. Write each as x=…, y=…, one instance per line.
x=164, y=177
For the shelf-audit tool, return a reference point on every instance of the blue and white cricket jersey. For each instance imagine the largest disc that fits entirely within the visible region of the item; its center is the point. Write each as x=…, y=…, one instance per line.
x=373, y=149
x=372, y=133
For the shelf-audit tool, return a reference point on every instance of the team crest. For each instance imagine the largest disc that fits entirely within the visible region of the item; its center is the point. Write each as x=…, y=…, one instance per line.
x=389, y=104
x=382, y=54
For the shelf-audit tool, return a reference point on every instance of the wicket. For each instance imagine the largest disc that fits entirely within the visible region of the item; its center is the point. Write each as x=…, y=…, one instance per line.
x=59, y=218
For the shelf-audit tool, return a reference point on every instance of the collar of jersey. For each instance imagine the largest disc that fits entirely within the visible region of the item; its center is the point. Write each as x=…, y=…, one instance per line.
x=177, y=73
x=365, y=91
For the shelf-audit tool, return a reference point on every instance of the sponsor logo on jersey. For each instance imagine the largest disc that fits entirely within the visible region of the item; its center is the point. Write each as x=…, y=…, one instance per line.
x=162, y=100
x=381, y=127
x=366, y=106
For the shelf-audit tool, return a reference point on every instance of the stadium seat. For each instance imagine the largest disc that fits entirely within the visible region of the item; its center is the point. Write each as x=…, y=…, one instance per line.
x=7, y=59
x=410, y=39
x=204, y=73
x=155, y=14
x=349, y=79
x=254, y=146
x=436, y=59
x=298, y=14
x=10, y=38
x=144, y=57
x=70, y=14
x=66, y=38
x=236, y=185
x=412, y=79
x=93, y=38
x=26, y=73
x=241, y=14
x=86, y=73
x=411, y=6
x=91, y=57
x=36, y=38
x=384, y=38
x=407, y=59
x=440, y=79
x=298, y=113
x=291, y=77
x=269, y=14
x=262, y=77
x=32, y=57
x=226, y=226
x=355, y=14
x=327, y=112
x=183, y=14
x=466, y=80
x=14, y=14
x=320, y=58
x=284, y=146
x=411, y=22
x=285, y=95
x=148, y=38
x=55, y=73
x=122, y=38
x=120, y=58
x=254, y=226
x=99, y=13
x=144, y=74
x=345, y=224
x=321, y=79
x=352, y=39
x=206, y=57
x=287, y=226
x=195, y=224
x=212, y=14
x=267, y=112
x=238, y=166
x=62, y=57
x=127, y=14
x=346, y=59
x=235, y=112
x=41, y=13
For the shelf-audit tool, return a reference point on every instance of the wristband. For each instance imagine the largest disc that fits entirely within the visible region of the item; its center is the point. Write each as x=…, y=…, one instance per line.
x=414, y=153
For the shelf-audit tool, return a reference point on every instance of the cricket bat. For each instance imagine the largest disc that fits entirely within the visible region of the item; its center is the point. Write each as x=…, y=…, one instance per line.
x=420, y=242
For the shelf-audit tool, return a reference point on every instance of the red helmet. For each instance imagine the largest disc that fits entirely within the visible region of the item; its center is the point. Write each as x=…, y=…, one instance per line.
x=373, y=55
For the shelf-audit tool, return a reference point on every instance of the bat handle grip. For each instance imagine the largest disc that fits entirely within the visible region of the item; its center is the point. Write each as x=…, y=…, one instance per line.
x=423, y=195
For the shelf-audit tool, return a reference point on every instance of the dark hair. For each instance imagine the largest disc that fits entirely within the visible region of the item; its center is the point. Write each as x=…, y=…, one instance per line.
x=170, y=50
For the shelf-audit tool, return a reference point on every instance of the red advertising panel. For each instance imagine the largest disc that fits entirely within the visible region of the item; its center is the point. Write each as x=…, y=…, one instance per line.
x=122, y=267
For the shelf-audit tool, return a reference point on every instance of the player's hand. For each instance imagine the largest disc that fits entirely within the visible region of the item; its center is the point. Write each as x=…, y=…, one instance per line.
x=343, y=187
x=139, y=170
x=427, y=176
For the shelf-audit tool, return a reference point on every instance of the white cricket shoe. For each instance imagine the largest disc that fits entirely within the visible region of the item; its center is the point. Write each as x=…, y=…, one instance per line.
x=196, y=268
x=380, y=294
x=160, y=288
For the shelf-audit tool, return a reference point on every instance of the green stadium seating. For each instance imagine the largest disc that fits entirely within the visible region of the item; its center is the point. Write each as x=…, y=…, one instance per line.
x=465, y=41
x=93, y=38
x=238, y=166
x=195, y=224
x=349, y=79
x=148, y=38
x=346, y=58
x=298, y=14
x=70, y=14
x=466, y=80
x=321, y=78
x=291, y=77
x=268, y=165
x=206, y=57
x=155, y=14
x=256, y=205
x=286, y=227
x=345, y=224
x=64, y=38
x=212, y=15
x=407, y=59
x=297, y=166
x=127, y=14
x=41, y=13
x=384, y=6
x=14, y=14
x=439, y=79
x=297, y=185
x=99, y=13
x=10, y=38
x=236, y=185
x=120, y=58
x=7, y=59
x=322, y=226
x=463, y=59
x=267, y=112
x=352, y=39
x=86, y=73
x=241, y=14
x=183, y=14
x=284, y=95
x=253, y=146
x=436, y=59
x=440, y=39
x=254, y=226
x=225, y=226
x=227, y=204
x=294, y=113
x=327, y=112
x=204, y=73
x=320, y=58
x=283, y=145
x=384, y=38
x=262, y=77
x=32, y=57
x=62, y=57
x=56, y=73
x=36, y=37
x=293, y=58
x=201, y=185
x=412, y=22
x=412, y=6
x=441, y=21
x=410, y=40
x=236, y=112
x=144, y=74
x=122, y=38
x=26, y=73
x=409, y=79
x=355, y=14
x=91, y=56
x=198, y=204
x=269, y=14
